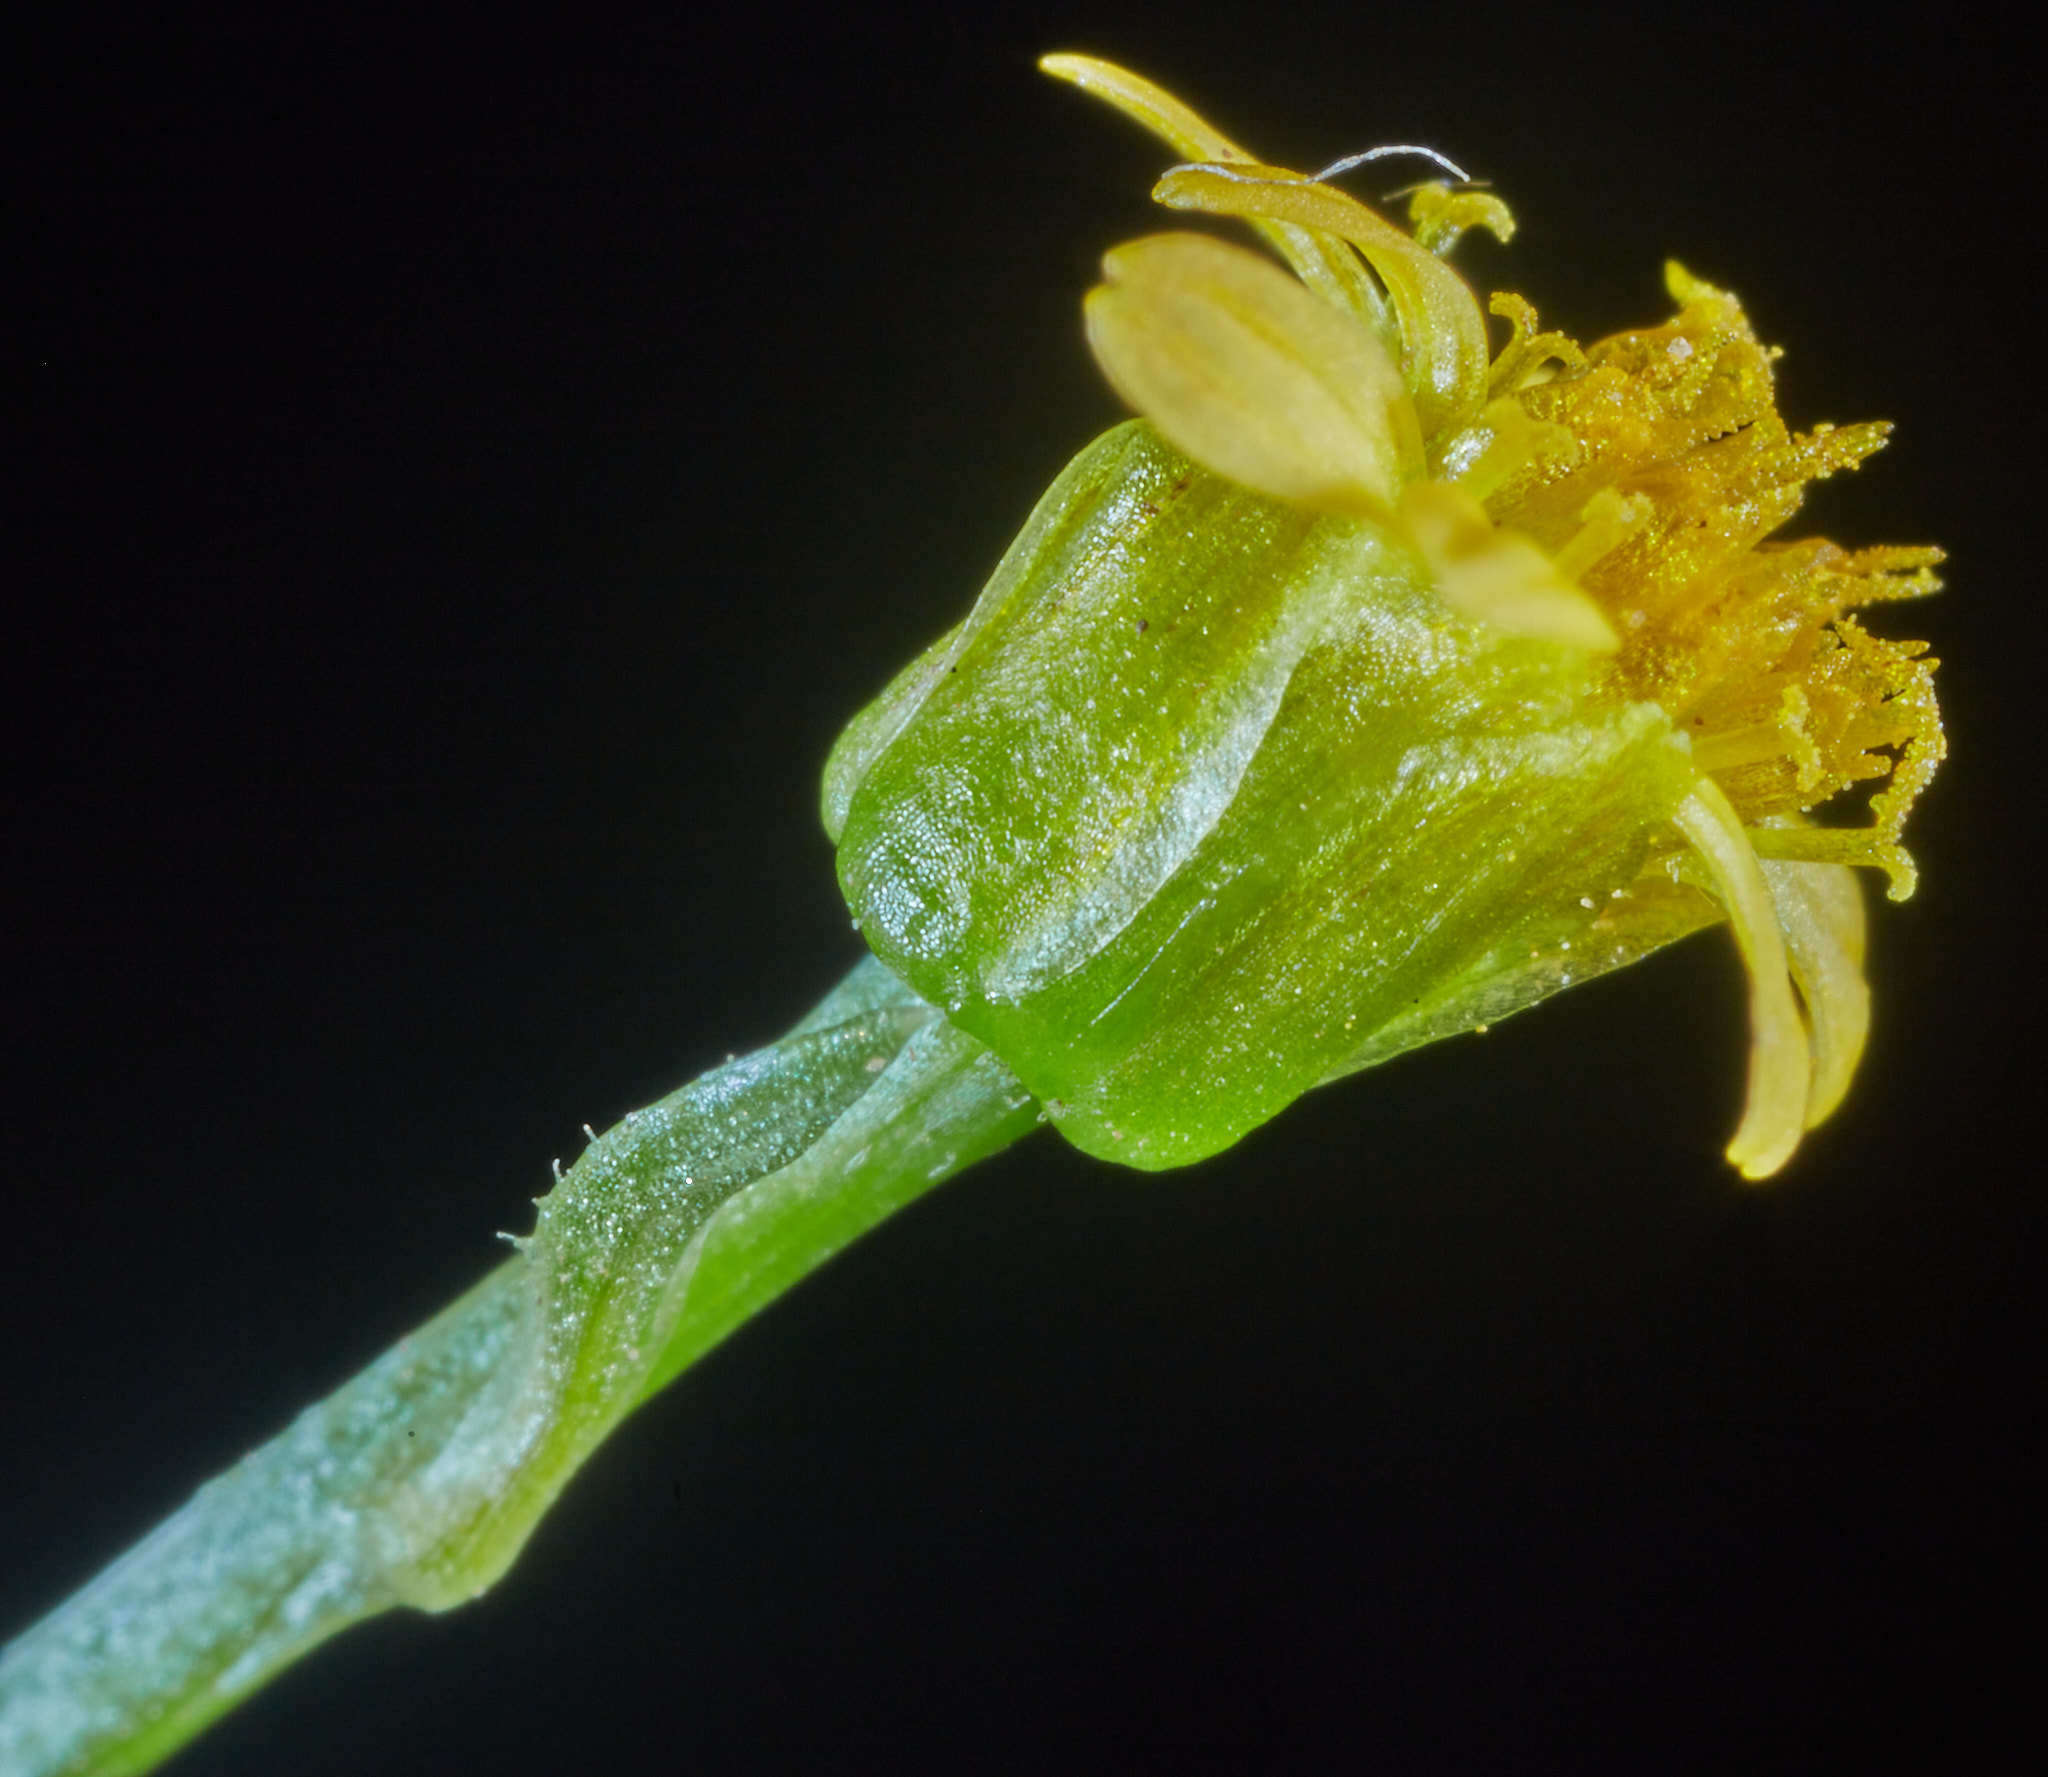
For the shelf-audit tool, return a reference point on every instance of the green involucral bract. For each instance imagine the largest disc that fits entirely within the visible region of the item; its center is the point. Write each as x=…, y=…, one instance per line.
x=1209, y=800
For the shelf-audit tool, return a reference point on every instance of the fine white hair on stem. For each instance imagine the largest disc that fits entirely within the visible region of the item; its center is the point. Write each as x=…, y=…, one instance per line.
x=1224, y=169
x=1387, y=152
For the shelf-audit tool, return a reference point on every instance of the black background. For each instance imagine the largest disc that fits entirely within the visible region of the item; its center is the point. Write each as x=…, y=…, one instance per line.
x=471, y=474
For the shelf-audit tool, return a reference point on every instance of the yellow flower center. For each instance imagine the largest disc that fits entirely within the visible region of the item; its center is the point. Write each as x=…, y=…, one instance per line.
x=1671, y=471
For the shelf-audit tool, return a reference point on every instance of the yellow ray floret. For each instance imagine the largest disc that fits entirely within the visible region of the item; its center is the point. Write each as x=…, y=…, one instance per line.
x=1243, y=369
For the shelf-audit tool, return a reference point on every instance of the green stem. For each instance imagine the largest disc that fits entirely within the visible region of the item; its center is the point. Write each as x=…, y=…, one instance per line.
x=419, y=1481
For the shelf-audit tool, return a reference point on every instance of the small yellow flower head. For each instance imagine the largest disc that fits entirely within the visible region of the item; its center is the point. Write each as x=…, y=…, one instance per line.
x=1378, y=684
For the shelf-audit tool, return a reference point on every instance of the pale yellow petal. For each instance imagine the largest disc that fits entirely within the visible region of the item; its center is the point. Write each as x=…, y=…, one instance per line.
x=1443, y=333
x=1175, y=124
x=1820, y=912
x=1780, y=1061
x=1250, y=374
x=1326, y=265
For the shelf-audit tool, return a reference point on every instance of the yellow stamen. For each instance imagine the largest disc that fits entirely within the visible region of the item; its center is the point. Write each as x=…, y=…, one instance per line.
x=1608, y=521
x=1438, y=215
x=1529, y=357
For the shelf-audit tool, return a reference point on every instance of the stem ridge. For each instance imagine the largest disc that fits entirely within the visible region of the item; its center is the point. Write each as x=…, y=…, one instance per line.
x=418, y=1481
